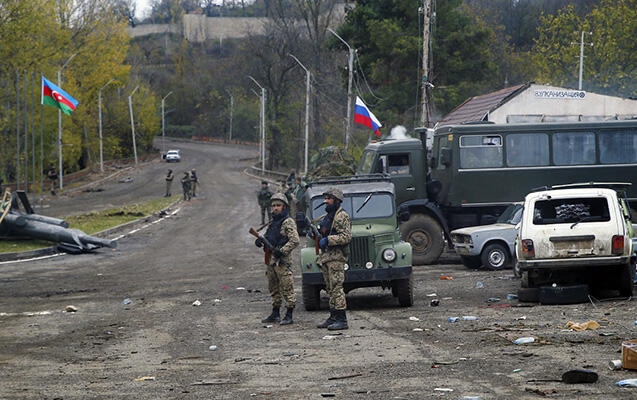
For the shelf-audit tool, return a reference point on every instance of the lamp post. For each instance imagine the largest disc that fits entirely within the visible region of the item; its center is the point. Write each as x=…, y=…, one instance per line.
x=307, y=109
x=231, y=109
x=350, y=67
x=581, y=57
x=132, y=121
x=262, y=117
x=163, y=131
x=60, y=171
x=99, y=107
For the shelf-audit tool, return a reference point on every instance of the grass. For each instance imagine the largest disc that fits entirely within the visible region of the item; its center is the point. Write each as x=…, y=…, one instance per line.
x=94, y=222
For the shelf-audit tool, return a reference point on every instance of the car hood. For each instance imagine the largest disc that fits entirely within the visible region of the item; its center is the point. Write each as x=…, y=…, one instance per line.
x=482, y=229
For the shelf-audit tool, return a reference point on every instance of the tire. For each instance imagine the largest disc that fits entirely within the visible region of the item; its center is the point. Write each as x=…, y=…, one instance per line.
x=425, y=236
x=404, y=290
x=626, y=280
x=528, y=295
x=311, y=297
x=471, y=262
x=495, y=257
x=573, y=294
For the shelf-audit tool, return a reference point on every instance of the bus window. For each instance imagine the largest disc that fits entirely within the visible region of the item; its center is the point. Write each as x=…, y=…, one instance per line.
x=617, y=147
x=481, y=151
x=573, y=148
x=527, y=149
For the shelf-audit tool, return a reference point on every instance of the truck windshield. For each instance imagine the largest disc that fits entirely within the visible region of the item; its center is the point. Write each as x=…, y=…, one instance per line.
x=379, y=205
x=367, y=159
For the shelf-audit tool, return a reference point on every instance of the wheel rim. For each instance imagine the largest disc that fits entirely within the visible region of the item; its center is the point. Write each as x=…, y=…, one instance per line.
x=496, y=259
x=420, y=241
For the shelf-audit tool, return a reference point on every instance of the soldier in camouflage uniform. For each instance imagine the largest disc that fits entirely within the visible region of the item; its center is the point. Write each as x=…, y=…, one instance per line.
x=284, y=238
x=336, y=233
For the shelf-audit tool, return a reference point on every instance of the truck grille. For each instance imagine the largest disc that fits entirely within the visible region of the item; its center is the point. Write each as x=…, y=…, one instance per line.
x=358, y=252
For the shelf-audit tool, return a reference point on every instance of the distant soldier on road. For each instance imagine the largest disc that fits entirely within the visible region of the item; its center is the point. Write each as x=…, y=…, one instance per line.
x=193, y=182
x=185, y=185
x=169, y=181
x=263, y=197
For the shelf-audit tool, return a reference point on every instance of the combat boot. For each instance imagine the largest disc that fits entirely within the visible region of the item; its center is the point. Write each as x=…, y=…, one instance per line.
x=274, y=317
x=329, y=321
x=287, y=320
x=341, y=321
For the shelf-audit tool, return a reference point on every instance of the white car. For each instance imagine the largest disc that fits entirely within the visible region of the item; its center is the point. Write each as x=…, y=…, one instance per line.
x=576, y=235
x=173, y=156
x=493, y=245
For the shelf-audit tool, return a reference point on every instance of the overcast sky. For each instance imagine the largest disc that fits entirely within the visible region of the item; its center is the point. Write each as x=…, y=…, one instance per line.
x=143, y=7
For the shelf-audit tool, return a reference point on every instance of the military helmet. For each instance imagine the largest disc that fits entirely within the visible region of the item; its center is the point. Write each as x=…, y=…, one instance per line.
x=334, y=192
x=279, y=197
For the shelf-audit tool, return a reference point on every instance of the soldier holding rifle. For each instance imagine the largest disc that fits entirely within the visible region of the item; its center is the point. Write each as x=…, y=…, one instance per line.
x=278, y=242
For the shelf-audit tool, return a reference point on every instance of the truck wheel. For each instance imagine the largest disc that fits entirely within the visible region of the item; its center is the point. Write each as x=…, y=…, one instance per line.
x=495, y=257
x=626, y=280
x=572, y=294
x=311, y=297
x=404, y=290
x=528, y=295
x=425, y=236
x=471, y=262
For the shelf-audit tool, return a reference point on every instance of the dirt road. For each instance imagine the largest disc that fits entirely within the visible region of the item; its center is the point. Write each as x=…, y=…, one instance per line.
x=124, y=324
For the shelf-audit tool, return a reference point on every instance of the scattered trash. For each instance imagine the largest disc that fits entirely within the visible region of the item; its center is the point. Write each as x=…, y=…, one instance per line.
x=615, y=365
x=267, y=326
x=329, y=337
x=493, y=299
x=414, y=319
x=435, y=303
x=196, y=303
x=524, y=340
x=629, y=354
x=344, y=376
x=224, y=287
x=443, y=389
x=517, y=370
x=432, y=295
x=213, y=347
x=241, y=288
x=417, y=329
x=70, y=309
x=627, y=383
x=446, y=278
x=479, y=285
x=579, y=376
x=145, y=378
x=471, y=398
x=453, y=319
x=217, y=300
x=522, y=318
x=512, y=296
x=126, y=302
x=582, y=326
x=328, y=394
x=469, y=318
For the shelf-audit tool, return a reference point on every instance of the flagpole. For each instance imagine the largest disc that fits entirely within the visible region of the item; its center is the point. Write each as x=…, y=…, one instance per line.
x=60, y=171
x=350, y=67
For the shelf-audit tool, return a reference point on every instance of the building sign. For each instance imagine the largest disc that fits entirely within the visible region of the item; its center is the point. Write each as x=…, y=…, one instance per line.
x=560, y=94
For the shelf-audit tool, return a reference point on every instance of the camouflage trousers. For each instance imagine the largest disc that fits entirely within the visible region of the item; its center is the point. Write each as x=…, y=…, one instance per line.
x=334, y=275
x=281, y=285
x=265, y=210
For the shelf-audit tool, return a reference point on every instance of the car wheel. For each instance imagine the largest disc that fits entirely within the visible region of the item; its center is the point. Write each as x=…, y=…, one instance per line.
x=626, y=279
x=404, y=290
x=425, y=236
x=528, y=295
x=495, y=257
x=572, y=294
x=471, y=262
x=311, y=297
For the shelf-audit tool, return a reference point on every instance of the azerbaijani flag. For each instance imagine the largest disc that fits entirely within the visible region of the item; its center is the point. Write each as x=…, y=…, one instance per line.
x=363, y=116
x=56, y=97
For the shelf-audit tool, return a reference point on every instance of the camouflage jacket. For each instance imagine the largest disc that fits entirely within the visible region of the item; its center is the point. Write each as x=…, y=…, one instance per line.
x=264, y=197
x=338, y=239
x=288, y=230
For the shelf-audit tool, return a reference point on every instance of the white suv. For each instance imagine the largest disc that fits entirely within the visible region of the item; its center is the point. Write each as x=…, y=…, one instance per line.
x=173, y=155
x=576, y=235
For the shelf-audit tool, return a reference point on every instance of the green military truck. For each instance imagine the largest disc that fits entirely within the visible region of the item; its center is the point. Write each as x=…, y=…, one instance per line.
x=377, y=257
x=472, y=172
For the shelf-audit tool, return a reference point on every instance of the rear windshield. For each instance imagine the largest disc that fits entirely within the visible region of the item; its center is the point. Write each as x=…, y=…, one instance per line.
x=555, y=211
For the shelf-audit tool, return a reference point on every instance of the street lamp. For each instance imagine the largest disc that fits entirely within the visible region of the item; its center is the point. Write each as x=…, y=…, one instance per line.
x=163, y=131
x=307, y=109
x=350, y=67
x=132, y=121
x=60, y=171
x=99, y=107
x=231, y=109
x=262, y=117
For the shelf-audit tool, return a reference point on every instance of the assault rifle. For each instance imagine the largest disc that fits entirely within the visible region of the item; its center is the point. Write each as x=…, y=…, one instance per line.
x=315, y=233
x=268, y=246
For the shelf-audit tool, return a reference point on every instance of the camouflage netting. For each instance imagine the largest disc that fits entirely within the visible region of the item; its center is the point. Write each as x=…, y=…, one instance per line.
x=330, y=161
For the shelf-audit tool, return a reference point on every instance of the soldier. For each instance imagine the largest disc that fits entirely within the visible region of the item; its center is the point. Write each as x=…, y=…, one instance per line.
x=263, y=197
x=336, y=234
x=52, y=174
x=169, y=181
x=193, y=182
x=185, y=185
x=283, y=237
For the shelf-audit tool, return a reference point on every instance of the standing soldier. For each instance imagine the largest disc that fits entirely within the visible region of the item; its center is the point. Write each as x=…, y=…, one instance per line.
x=53, y=177
x=169, y=181
x=263, y=197
x=185, y=185
x=193, y=182
x=283, y=238
x=336, y=234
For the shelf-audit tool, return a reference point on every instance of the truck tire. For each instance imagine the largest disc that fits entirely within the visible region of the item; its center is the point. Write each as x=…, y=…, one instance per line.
x=626, y=280
x=404, y=290
x=311, y=297
x=573, y=294
x=528, y=295
x=495, y=257
x=425, y=236
x=471, y=262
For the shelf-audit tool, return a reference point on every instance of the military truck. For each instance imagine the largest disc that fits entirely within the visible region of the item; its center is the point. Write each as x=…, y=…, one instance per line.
x=377, y=255
x=474, y=171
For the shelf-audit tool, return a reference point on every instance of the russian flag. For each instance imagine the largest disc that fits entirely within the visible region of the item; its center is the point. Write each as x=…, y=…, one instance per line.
x=363, y=116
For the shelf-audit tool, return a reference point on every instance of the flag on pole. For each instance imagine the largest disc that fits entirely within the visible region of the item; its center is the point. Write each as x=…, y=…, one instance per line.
x=363, y=116
x=56, y=97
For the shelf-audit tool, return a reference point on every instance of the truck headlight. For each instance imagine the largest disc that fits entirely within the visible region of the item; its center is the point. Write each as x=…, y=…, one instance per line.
x=389, y=255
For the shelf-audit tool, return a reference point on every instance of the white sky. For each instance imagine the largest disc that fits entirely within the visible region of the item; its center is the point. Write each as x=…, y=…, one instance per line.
x=143, y=8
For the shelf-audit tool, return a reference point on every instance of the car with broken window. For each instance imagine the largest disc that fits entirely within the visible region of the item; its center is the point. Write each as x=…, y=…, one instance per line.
x=492, y=245
x=378, y=257
x=576, y=236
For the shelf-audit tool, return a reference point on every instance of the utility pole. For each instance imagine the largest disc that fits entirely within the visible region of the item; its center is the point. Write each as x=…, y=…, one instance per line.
x=426, y=14
x=350, y=101
x=308, y=77
x=262, y=124
x=581, y=56
x=231, y=110
x=60, y=167
x=132, y=121
x=99, y=108
x=163, y=130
